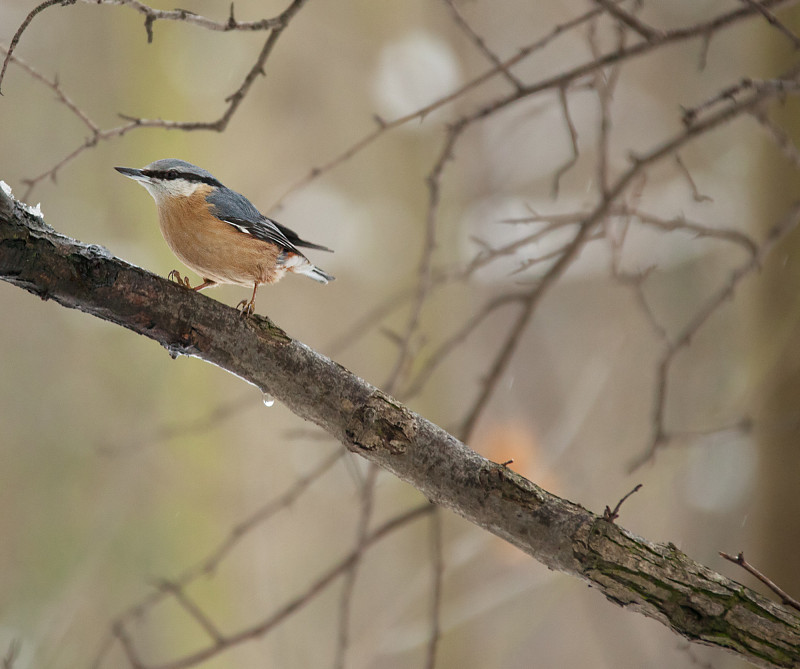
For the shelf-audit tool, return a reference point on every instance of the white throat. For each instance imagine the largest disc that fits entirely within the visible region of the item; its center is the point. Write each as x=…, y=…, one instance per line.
x=162, y=190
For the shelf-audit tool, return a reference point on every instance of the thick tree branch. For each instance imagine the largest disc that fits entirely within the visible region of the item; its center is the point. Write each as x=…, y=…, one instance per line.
x=656, y=580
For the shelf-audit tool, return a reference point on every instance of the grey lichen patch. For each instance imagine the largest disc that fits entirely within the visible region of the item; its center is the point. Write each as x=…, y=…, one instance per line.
x=382, y=424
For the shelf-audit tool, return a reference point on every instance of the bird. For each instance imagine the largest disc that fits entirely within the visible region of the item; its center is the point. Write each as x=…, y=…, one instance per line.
x=219, y=233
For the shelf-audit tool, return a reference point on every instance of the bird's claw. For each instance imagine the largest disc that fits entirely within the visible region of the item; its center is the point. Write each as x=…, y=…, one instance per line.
x=247, y=307
x=175, y=276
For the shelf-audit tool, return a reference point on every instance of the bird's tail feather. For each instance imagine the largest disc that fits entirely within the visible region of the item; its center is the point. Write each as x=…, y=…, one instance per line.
x=299, y=264
x=318, y=275
x=312, y=271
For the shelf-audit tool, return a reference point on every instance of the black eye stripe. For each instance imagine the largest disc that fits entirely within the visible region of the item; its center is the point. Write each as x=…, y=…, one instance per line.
x=171, y=175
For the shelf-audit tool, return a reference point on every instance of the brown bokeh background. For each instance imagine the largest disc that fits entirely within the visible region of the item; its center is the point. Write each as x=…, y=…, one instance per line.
x=119, y=466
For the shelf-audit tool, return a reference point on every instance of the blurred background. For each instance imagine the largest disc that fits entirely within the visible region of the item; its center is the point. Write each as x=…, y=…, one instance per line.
x=120, y=467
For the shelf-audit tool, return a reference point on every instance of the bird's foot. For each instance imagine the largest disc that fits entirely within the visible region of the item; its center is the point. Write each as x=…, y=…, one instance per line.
x=175, y=276
x=246, y=307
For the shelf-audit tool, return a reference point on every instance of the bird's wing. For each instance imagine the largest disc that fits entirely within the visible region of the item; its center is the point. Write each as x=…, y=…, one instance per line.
x=293, y=237
x=238, y=211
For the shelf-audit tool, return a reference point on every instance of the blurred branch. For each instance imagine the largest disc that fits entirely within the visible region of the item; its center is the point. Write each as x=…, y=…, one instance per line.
x=233, y=101
x=774, y=21
x=628, y=19
x=594, y=218
x=656, y=580
x=209, y=565
x=480, y=43
x=660, y=434
x=152, y=15
x=221, y=642
x=437, y=565
x=351, y=575
x=12, y=654
x=25, y=23
x=558, y=82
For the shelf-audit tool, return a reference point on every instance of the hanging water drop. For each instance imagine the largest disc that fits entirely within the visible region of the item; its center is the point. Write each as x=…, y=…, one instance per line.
x=269, y=400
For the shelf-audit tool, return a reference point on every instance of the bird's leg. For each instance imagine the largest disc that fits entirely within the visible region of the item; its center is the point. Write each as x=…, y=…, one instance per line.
x=248, y=307
x=207, y=283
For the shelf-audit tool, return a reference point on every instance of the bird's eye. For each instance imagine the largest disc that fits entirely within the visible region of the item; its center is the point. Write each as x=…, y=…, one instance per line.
x=172, y=174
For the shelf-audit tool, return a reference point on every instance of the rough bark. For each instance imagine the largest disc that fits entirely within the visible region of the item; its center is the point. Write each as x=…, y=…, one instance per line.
x=656, y=580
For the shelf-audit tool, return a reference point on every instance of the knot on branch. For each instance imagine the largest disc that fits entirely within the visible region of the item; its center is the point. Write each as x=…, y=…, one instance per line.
x=381, y=423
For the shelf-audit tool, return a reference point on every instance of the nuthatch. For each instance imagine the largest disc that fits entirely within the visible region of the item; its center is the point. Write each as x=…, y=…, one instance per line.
x=219, y=233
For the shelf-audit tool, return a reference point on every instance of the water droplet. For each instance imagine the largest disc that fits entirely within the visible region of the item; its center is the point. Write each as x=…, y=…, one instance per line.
x=269, y=400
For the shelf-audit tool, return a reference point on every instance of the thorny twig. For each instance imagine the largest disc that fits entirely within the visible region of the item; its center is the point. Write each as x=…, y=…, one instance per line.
x=556, y=82
x=151, y=16
x=615, y=191
x=479, y=42
x=660, y=434
x=97, y=135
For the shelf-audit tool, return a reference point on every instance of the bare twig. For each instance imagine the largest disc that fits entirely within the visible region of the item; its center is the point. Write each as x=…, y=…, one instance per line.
x=610, y=515
x=573, y=140
x=211, y=562
x=193, y=610
x=425, y=270
x=667, y=148
x=781, y=138
x=55, y=87
x=386, y=126
x=782, y=86
x=744, y=564
x=258, y=630
x=696, y=195
x=479, y=42
x=437, y=568
x=699, y=230
x=276, y=26
x=628, y=19
x=152, y=15
x=25, y=23
x=660, y=434
x=774, y=21
x=351, y=575
x=438, y=356
x=555, y=82
x=128, y=646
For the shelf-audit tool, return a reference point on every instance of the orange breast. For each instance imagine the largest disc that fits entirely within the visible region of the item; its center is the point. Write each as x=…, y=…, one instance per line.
x=214, y=249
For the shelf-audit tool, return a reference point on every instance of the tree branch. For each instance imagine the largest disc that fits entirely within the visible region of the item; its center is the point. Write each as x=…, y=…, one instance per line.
x=656, y=580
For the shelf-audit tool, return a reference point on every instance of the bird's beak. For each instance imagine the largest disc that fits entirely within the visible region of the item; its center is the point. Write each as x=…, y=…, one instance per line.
x=131, y=173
